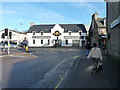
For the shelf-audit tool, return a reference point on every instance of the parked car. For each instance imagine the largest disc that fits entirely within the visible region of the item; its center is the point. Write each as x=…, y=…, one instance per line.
x=20, y=44
x=13, y=46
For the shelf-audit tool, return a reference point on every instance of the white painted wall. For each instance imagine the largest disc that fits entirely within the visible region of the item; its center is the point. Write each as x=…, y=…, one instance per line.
x=45, y=41
x=15, y=36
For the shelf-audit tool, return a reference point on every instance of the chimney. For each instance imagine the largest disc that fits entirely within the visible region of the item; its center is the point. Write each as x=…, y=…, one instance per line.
x=95, y=16
x=31, y=24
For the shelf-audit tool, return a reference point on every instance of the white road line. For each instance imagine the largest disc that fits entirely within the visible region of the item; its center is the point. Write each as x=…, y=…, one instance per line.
x=76, y=64
x=37, y=85
x=67, y=71
x=76, y=57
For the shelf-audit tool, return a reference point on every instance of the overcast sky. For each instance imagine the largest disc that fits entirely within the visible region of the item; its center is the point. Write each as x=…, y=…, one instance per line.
x=14, y=13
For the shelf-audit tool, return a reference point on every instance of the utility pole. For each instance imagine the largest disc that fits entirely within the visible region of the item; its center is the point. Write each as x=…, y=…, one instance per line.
x=8, y=37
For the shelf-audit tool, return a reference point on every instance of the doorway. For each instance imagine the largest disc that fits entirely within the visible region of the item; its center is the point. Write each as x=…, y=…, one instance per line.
x=58, y=43
x=75, y=43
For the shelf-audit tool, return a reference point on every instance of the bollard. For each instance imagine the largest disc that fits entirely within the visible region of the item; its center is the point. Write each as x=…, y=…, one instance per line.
x=26, y=48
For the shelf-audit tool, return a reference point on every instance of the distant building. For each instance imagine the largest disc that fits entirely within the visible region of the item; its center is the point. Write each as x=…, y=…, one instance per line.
x=87, y=28
x=16, y=38
x=113, y=29
x=56, y=35
x=97, y=31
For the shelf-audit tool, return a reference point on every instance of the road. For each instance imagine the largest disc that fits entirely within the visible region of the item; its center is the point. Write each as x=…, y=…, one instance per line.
x=41, y=68
x=80, y=75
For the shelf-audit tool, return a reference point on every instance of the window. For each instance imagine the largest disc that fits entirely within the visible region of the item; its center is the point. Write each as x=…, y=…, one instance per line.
x=102, y=22
x=79, y=33
x=48, y=41
x=82, y=37
x=33, y=32
x=33, y=41
x=66, y=41
x=41, y=33
x=69, y=33
x=41, y=41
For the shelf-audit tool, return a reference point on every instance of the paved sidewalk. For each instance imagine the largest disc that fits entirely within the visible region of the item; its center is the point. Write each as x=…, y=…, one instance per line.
x=13, y=52
x=80, y=75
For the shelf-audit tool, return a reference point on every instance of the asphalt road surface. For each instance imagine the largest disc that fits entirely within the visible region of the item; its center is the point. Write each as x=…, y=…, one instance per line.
x=43, y=68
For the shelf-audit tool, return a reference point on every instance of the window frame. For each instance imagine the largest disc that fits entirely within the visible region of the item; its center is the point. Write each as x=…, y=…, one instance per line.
x=66, y=41
x=80, y=32
x=41, y=32
x=33, y=41
x=70, y=32
x=48, y=41
x=41, y=41
x=33, y=32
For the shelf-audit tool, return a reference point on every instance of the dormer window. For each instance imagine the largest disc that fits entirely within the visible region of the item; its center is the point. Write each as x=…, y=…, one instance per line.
x=41, y=32
x=33, y=32
x=80, y=32
x=69, y=32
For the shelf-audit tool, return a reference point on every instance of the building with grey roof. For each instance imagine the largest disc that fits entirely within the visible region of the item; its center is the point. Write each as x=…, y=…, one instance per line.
x=67, y=27
x=97, y=31
x=49, y=35
x=16, y=37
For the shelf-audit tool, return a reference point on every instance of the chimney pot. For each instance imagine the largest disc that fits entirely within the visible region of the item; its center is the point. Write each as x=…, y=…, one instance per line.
x=31, y=24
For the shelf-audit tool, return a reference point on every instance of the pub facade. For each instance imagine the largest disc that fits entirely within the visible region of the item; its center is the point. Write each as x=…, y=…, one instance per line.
x=57, y=35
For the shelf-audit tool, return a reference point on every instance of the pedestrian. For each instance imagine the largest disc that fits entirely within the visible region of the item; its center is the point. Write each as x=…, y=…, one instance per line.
x=95, y=54
x=104, y=49
x=88, y=47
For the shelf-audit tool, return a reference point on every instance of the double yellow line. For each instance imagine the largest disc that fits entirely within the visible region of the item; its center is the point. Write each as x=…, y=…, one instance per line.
x=65, y=73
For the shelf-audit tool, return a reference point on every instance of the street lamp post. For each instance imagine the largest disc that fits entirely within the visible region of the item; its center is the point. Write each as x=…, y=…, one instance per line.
x=21, y=30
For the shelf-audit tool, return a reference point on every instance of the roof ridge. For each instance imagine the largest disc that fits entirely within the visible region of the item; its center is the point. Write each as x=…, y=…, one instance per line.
x=55, y=24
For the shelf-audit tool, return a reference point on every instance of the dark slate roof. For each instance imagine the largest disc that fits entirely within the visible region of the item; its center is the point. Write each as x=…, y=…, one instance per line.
x=98, y=22
x=67, y=27
x=73, y=27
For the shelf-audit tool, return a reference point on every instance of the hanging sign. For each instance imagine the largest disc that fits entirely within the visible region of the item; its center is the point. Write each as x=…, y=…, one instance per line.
x=57, y=33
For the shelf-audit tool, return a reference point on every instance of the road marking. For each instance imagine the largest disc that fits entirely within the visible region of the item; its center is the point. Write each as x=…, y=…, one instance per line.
x=76, y=64
x=46, y=75
x=66, y=72
x=76, y=57
x=59, y=83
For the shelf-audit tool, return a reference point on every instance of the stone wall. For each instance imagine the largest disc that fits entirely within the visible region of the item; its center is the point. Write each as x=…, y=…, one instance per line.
x=113, y=43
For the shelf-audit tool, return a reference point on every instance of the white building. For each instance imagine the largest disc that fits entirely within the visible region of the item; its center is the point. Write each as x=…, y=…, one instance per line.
x=17, y=37
x=56, y=35
x=87, y=28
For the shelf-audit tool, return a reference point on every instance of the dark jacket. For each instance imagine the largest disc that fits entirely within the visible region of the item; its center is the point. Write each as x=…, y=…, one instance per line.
x=88, y=46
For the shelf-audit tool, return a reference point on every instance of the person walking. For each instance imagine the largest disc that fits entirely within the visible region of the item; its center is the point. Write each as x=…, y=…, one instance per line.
x=104, y=49
x=88, y=47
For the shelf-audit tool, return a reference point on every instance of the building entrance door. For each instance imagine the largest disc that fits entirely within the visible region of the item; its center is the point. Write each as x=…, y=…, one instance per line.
x=75, y=43
x=58, y=43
